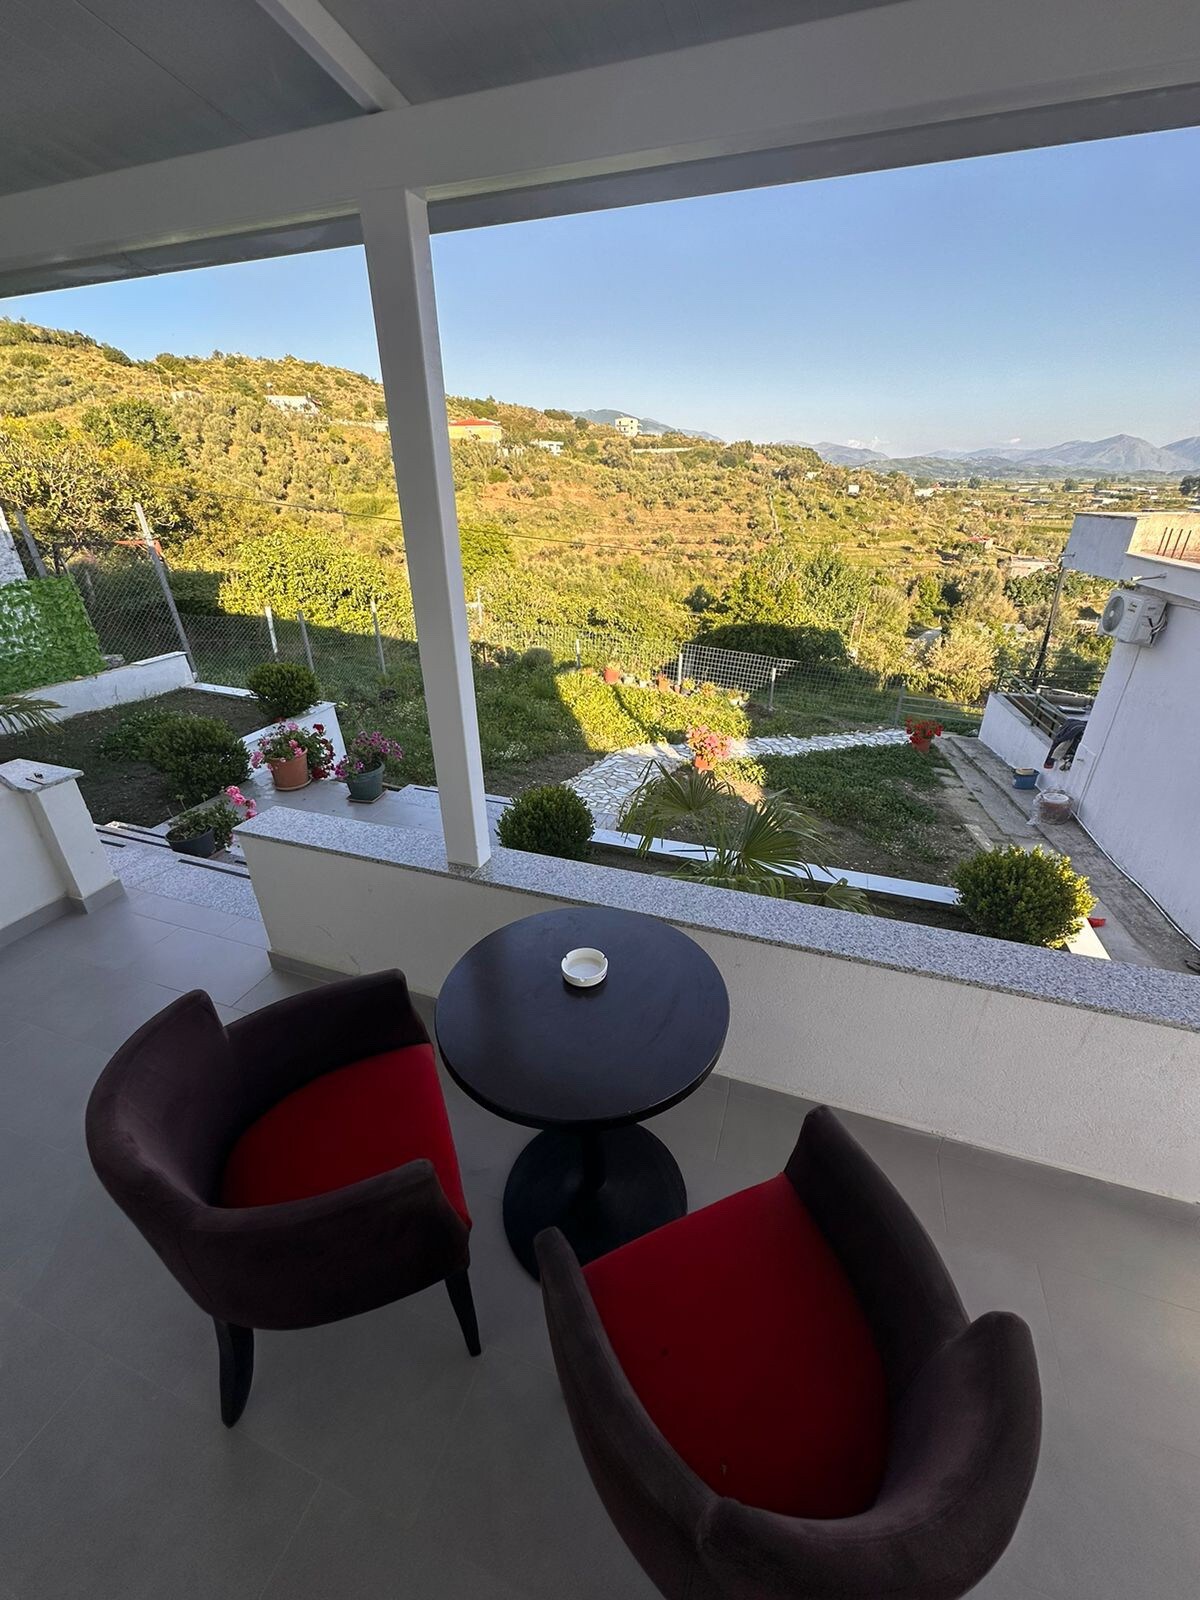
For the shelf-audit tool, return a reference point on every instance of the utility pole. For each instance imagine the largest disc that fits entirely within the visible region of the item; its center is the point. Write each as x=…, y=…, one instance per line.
x=1040, y=664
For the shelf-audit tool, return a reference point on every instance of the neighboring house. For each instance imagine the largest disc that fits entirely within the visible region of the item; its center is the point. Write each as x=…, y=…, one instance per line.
x=476, y=428
x=853, y=489
x=1025, y=566
x=554, y=447
x=1135, y=778
x=303, y=403
x=629, y=426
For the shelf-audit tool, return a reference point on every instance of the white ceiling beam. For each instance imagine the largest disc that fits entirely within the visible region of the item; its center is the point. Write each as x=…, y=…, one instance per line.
x=335, y=52
x=884, y=76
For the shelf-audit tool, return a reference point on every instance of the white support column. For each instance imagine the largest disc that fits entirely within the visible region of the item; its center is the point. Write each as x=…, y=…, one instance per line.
x=396, y=236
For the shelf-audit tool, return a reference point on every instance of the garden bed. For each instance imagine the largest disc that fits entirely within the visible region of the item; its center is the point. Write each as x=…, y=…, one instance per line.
x=117, y=789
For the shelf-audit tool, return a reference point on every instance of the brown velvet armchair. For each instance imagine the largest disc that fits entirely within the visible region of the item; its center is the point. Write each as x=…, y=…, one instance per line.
x=884, y=1447
x=291, y=1169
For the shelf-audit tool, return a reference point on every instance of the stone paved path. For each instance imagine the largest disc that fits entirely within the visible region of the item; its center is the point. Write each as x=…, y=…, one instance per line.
x=607, y=784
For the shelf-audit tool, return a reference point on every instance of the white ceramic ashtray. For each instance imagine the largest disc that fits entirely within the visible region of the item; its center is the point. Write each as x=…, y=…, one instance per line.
x=585, y=968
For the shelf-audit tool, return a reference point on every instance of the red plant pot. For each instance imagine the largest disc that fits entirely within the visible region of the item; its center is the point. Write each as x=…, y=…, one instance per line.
x=702, y=764
x=290, y=774
x=612, y=674
x=921, y=746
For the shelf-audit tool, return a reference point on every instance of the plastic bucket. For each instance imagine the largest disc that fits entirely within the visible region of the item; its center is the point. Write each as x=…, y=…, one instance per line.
x=1025, y=777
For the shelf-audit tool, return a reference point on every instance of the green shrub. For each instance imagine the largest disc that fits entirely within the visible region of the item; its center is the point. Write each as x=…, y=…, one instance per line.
x=537, y=659
x=808, y=646
x=138, y=734
x=286, y=688
x=200, y=756
x=551, y=820
x=1029, y=897
x=45, y=635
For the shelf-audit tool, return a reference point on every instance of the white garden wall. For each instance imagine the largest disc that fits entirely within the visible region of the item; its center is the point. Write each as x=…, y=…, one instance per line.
x=119, y=686
x=1011, y=736
x=51, y=859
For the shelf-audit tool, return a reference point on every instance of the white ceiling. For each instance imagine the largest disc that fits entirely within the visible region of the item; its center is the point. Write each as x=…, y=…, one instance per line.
x=94, y=86
x=89, y=86
x=432, y=49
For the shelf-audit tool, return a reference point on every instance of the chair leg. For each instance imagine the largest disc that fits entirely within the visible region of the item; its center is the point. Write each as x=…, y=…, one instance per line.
x=236, y=1347
x=458, y=1286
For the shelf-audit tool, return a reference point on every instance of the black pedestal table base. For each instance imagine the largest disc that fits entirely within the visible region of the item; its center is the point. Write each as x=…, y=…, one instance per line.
x=601, y=1188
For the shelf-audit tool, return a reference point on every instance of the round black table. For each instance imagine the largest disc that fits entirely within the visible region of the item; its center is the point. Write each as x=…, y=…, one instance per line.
x=585, y=1066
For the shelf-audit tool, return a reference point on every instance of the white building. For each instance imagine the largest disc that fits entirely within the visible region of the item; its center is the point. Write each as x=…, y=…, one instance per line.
x=1135, y=778
x=629, y=426
x=553, y=447
x=303, y=403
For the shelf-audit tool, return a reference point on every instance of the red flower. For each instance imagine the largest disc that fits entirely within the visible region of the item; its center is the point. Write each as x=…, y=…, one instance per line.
x=318, y=727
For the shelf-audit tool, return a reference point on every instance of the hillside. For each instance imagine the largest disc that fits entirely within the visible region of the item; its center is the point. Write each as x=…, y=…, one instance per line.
x=270, y=482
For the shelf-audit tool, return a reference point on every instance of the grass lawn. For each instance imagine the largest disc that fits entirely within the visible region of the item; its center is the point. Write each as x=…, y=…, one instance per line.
x=120, y=790
x=883, y=807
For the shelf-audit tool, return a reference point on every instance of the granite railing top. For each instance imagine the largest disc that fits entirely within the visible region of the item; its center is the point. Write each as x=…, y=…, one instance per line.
x=29, y=777
x=1144, y=993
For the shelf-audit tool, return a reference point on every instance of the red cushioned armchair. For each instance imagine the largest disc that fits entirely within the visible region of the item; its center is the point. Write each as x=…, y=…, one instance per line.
x=780, y=1397
x=292, y=1169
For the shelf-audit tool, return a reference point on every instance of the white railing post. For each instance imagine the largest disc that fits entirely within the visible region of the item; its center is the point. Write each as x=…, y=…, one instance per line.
x=396, y=236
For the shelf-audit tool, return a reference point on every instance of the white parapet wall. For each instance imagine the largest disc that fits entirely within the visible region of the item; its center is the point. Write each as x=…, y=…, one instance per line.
x=118, y=686
x=51, y=859
x=1011, y=736
x=1091, y=1066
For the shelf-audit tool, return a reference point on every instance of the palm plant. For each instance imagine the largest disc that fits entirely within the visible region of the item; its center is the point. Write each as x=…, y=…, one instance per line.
x=763, y=847
x=20, y=713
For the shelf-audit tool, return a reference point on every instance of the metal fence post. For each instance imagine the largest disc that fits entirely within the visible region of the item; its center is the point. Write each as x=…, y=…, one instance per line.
x=679, y=673
x=35, y=555
x=378, y=637
x=270, y=616
x=578, y=657
x=771, y=690
x=900, y=704
x=308, y=655
x=160, y=568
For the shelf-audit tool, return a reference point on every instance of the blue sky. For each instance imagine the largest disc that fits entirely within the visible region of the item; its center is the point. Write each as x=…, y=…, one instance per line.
x=1036, y=297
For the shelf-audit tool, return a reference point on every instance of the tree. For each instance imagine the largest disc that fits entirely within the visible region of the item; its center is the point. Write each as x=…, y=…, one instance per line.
x=1190, y=485
x=139, y=423
x=962, y=666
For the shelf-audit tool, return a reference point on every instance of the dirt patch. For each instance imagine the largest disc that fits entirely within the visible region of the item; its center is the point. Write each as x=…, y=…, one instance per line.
x=120, y=790
x=513, y=780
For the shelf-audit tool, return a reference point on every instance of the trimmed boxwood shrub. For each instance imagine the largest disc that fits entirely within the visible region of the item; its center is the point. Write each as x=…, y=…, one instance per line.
x=200, y=756
x=550, y=820
x=45, y=635
x=1026, y=896
x=286, y=688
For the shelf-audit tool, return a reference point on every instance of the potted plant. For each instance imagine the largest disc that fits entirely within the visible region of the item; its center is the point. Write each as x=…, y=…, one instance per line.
x=664, y=684
x=922, y=731
x=612, y=673
x=203, y=830
x=708, y=748
x=361, y=768
x=293, y=754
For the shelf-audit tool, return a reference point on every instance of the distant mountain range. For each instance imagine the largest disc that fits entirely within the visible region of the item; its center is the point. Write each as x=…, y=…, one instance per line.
x=647, y=425
x=1123, y=454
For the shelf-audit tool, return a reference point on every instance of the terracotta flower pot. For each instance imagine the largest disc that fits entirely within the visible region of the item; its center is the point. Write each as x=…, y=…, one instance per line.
x=921, y=746
x=612, y=674
x=290, y=774
x=702, y=763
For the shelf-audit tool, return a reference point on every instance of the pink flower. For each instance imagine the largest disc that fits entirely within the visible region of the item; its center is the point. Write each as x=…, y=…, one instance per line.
x=256, y=759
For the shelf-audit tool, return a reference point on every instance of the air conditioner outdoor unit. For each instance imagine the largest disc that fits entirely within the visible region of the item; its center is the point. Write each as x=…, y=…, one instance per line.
x=1131, y=617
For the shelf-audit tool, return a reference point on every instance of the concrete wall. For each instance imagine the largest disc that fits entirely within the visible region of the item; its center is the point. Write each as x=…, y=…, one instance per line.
x=50, y=857
x=1111, y=1096
x=119, y=686
x=1136, y=776
x=1006, y=732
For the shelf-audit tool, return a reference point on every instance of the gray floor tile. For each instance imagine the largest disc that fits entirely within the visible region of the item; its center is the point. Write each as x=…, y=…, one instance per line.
x=249, y=930
x=760, y=1129
x=1128, y=1358
x=189, y=959
x=130, y=1494
x=45, y=1084
x=40, y=1366
x=274, y=986
x=180, y=913
x=364, y=1404
x=38, y=1187
x=988, y=1280
x=1139, y=1241
x=910, y=1159
x=114, y=936
x=353, y=1551
x=512, y=1494
x=83, y=1001
x=692, y=1129
x=1112, y=1516
x=1004, y=1583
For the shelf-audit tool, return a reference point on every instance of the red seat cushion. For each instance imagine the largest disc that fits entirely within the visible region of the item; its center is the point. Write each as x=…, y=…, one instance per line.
x=743, y=1339
x=347, y=1125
